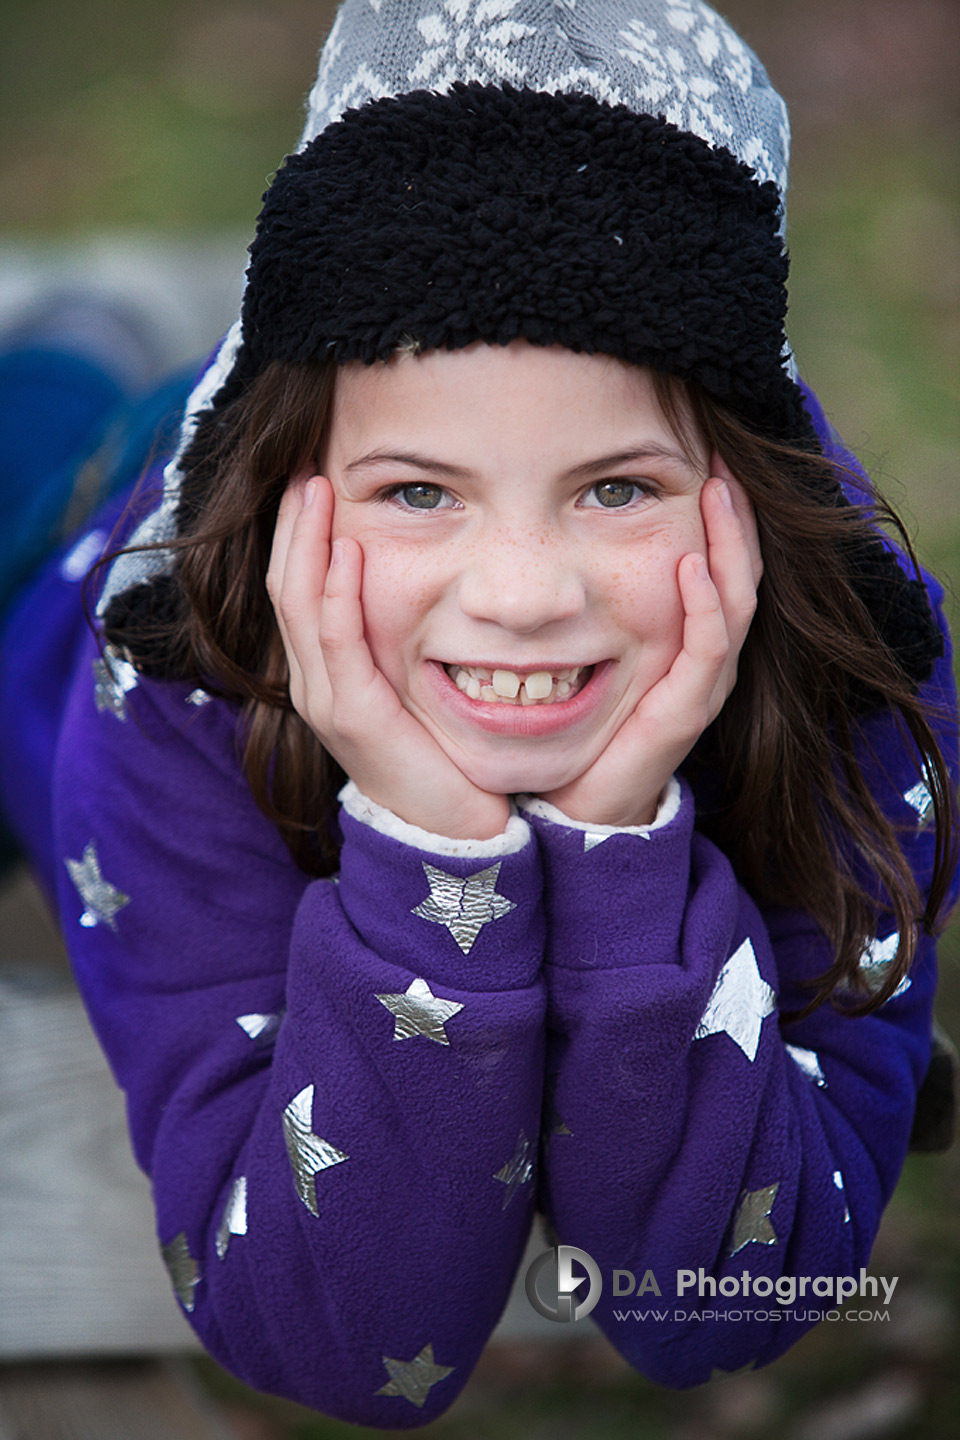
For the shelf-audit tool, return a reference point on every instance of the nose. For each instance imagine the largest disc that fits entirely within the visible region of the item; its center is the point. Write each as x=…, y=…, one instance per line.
x=522, y=581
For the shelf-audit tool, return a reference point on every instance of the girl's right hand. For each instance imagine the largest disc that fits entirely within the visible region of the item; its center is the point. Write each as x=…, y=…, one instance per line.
x=336, y=688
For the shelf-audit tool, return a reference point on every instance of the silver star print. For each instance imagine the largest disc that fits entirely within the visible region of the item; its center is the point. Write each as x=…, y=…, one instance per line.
x=838, y=1181
x=419, y=1012
x=413, y=1379
x=740, y=1002
x=101, y=899
x=464, y=906
x=876, y=959
x=751, y=1225
x=182, y=1269
x=114, y=677
x=808, y=1061
x=593, y=838
x=262, y=1029
x=234, y=1221
x=918, y=797
x=517, y=1170
x=308, y=1153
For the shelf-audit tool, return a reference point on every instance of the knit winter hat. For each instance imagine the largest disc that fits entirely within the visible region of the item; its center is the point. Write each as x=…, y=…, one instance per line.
x=603, y=174
x=607, y=175
x=566, y=173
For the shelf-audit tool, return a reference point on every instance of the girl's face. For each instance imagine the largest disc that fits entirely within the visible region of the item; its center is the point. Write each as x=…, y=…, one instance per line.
x=522, y=512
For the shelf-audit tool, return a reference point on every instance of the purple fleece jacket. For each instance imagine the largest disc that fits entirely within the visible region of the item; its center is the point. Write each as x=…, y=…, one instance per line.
x=337, y=1085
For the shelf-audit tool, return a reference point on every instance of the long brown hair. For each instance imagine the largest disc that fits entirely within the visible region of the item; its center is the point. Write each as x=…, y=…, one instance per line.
x=791, y=808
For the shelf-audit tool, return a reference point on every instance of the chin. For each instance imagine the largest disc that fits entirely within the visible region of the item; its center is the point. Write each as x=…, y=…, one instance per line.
x=519, y=776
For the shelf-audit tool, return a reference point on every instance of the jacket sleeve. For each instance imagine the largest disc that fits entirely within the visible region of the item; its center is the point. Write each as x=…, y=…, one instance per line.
x=335, y=1085
x=729, y=1167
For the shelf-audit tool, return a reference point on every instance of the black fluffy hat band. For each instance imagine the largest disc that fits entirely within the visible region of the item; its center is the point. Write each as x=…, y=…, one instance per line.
x=491, y=213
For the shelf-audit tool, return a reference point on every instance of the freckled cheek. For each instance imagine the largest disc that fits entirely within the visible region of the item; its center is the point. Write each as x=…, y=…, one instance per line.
x=640, y=590
x=651, y=612
x=391, y=575
x=400, y=594
x=389, y=569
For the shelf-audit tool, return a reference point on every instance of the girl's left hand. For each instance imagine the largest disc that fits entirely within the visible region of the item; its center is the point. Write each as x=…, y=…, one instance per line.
x=719, y=594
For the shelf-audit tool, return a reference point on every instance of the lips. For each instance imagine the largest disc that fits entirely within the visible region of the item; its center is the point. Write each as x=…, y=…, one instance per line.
x=500, y=686
x=508, y=716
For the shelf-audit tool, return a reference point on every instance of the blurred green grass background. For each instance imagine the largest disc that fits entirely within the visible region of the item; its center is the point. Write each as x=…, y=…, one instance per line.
x=167, y=118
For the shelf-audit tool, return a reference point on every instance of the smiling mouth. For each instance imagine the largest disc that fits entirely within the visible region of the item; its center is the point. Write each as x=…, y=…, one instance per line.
x=510, y=687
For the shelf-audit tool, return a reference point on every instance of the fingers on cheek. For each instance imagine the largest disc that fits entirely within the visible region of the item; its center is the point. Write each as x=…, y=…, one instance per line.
x=719, y=467
x=345, y=576
x=288, y=513
x=747, y=610
x=697, y=589
x=722, y=487
x=747, y=515
x=706, y=632
x=731, y=527
x=720, y=508
x=297, y=498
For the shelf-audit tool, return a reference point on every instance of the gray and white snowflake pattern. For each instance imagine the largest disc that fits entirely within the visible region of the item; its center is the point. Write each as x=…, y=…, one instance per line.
x=681, y=61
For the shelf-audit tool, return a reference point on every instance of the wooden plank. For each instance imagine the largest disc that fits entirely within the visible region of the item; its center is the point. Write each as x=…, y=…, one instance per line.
x=142, y=1401
x=28, y=931
x=80, y=1272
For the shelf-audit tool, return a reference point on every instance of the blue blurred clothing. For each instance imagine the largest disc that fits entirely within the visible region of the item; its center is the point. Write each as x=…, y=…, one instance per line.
x=54, y=411
x=72, y=443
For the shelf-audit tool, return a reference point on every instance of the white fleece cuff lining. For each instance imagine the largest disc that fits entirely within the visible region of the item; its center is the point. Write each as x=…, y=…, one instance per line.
x=378, y=817
x=667, y=810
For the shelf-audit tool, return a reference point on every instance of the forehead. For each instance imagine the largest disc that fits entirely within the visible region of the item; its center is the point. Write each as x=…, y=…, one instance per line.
x=503, y=397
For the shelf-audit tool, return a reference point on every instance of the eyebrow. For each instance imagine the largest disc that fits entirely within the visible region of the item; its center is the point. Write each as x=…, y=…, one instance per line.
x=652, y=450
x=404, y=457
x=649, y=451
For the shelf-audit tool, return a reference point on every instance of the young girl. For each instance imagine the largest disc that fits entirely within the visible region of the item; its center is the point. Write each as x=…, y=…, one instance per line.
x=508, y=774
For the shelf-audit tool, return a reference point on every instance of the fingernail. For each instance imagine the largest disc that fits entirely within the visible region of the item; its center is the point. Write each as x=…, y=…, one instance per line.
x=309, y=495
x=726, y=499
x=338, y=553
x=700, y=567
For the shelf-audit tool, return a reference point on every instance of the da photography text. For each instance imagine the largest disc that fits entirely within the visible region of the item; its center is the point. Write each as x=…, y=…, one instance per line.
x=556, y=1279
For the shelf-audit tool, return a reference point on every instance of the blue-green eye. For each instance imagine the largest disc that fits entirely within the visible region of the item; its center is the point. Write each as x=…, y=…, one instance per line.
x=612, y=494
x=421, y=497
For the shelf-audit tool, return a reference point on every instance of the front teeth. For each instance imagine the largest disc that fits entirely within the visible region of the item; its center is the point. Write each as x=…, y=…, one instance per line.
x=539, y=684
x=507, y=684
x=507, y=687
